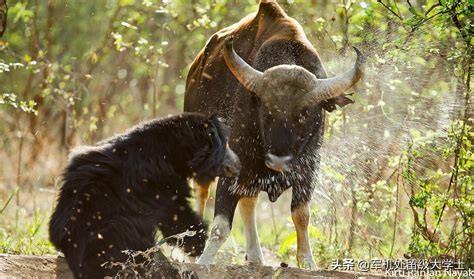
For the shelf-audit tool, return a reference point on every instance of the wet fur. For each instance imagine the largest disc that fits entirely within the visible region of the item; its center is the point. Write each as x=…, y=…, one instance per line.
x=117, y=194
x=276, y=39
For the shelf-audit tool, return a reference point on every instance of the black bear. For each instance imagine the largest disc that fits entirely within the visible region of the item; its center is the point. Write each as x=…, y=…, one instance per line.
x=117, y=194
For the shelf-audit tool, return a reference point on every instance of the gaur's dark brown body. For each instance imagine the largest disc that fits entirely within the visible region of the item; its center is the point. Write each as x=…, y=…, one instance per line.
x=276, y=134
x=264, y=39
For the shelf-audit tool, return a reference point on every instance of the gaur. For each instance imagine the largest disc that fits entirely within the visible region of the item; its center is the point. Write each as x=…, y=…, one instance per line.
x=263, y=76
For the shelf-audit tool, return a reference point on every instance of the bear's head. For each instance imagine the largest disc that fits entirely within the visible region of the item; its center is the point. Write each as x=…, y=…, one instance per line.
x=214, y=157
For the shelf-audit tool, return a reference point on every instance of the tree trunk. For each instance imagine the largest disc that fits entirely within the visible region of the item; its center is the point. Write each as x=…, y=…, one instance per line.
x=3, y=16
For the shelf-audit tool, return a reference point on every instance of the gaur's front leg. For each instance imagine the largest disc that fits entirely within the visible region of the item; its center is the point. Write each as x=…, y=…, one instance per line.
x=300, y=213
x=202, y=195
x=247, y=206
x=223, y=216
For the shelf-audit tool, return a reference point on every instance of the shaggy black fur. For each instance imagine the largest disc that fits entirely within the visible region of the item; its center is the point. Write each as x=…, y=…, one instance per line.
x=116, y=194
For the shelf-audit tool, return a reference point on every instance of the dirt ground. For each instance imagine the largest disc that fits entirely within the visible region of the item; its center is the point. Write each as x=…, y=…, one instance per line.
x=18, y=266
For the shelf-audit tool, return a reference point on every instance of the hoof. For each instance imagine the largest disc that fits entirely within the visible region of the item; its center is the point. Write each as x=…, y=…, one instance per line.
x=306, y=262
x=189, y=275
x=254, y=260
x=203, y=261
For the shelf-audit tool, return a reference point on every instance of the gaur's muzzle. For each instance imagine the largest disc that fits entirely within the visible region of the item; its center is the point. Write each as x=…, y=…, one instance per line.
x=277, y=163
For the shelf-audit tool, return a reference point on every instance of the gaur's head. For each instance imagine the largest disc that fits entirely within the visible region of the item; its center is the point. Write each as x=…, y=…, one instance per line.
x=214, y=158
x=287, y=93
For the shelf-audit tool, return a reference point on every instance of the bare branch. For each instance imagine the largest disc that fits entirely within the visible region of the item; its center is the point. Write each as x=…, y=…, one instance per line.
x=390, y=9
x=423, y=21
x=457, y=23
x=432, y=8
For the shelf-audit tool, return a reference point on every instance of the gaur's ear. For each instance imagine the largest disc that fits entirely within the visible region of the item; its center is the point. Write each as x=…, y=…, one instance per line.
x=216, y=118
x=340, y=101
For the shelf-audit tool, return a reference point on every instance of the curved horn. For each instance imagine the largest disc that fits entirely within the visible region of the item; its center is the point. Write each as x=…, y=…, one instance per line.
x=324, y=89
x=245, y=74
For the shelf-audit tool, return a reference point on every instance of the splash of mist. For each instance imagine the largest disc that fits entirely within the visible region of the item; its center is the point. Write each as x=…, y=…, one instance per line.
x=398, y=95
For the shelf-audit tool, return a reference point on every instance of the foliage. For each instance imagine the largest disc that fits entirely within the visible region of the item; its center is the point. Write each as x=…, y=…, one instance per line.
x=10, y=99
x=26, y=237
x=432, y=234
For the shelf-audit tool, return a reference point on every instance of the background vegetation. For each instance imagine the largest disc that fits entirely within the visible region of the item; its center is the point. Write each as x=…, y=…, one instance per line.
x=397, y=173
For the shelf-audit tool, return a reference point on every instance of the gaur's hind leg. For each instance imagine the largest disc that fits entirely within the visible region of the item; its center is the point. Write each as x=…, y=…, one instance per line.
x=300, y=214
x=247, y=207
x=222, y=224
